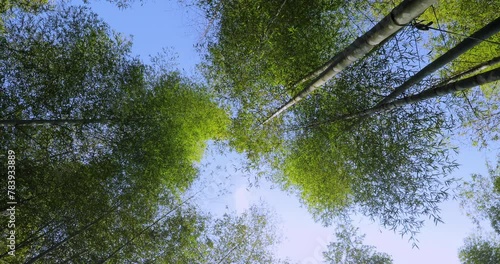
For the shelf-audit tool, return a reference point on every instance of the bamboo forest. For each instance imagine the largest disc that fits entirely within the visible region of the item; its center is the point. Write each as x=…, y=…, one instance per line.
x=250, y=131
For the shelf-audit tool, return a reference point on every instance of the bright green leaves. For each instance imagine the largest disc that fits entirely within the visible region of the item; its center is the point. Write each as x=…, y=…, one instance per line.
x=178, y=117
x=320, y=173
x=478, y=110
x=73, y=66
x=94, y=186
x=275, y=41
x=389, y=167
x=258, y=50
x=463, y=18
x=190, y=108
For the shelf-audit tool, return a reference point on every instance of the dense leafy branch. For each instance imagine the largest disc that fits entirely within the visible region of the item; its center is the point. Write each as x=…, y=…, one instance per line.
x=400, y=16
x=475, y=39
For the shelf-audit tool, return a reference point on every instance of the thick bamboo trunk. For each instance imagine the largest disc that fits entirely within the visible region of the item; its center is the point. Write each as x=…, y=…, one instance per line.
x=467, y=83
x=399, y=16
x=472, y=70
x=467, y=44
x=324, y=66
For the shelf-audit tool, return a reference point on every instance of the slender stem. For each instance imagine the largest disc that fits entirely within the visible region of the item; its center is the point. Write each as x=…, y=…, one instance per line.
x=146, y=228
x=71, y=236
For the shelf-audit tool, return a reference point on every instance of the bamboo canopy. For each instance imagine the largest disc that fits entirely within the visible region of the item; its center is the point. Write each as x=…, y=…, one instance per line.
x=398, y=18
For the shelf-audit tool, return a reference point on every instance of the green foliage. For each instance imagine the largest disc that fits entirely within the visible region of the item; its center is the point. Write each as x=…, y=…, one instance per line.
x=58, y=60
x=176, y=119
x=319, y=171
x=386, y=166
x=93, y=187
x=477, y=250
x=479, y=198
x=26, y=5
x=247, y=238
x=256, y=52
x=349, y=249
x=391, y=167
x=478, y=110
x=465, y=17
x=270, y=42
x=461, y=18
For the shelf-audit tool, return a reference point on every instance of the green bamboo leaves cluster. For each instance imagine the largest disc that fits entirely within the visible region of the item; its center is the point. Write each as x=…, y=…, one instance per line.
x=110, y=143
x=102, y=172
x=391, y=165
x=464, y=17
x=257, y=49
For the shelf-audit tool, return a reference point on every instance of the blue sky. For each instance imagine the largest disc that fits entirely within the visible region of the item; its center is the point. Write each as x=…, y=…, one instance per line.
x=156, y=25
